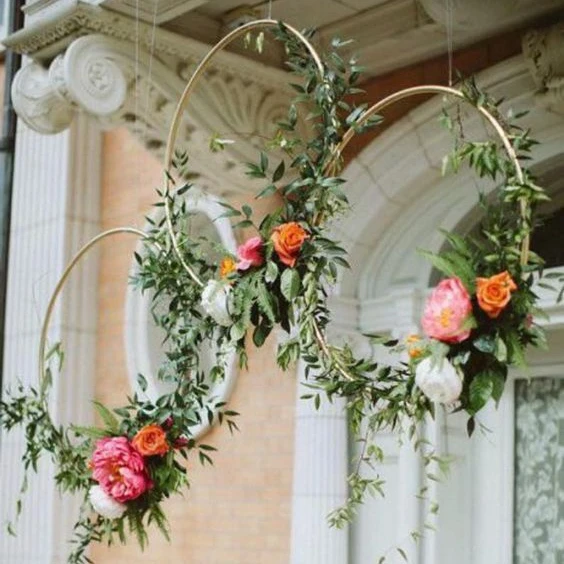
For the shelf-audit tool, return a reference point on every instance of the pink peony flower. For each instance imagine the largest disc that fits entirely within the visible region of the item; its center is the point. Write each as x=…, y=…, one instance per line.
x=119, y=469
x=250, y=253
x=446, y=312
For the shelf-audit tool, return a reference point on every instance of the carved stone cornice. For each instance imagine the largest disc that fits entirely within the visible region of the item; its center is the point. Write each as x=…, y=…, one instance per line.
x=469, y=13
x=51, y=35
x=544, y=52
x=400, y=33
x=121, y=84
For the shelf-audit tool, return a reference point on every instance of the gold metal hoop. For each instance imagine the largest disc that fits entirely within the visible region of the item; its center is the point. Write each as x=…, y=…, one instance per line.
x=436, y=89
x=60, y=284
x=185, y=98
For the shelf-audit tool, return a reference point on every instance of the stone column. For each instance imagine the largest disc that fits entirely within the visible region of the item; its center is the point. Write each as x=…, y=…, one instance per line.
x=55, y=210
x=320, y=480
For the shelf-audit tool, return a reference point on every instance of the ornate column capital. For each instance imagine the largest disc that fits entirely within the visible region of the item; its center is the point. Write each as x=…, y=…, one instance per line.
x=119, y=83
x=83, y=78
x=544, y=52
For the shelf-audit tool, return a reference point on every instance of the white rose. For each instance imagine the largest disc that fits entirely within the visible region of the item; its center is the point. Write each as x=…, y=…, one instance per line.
x=438, y=380
x=214, y=301
x=105, y=504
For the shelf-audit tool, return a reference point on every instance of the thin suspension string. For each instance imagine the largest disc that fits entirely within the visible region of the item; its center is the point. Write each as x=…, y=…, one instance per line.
x=150, y=71
x=136, y=87
x=136, y=68
x=450, y=42
x=268, y=10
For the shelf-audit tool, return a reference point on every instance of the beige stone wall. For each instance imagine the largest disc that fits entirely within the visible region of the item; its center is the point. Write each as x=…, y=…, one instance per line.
x=239, y=510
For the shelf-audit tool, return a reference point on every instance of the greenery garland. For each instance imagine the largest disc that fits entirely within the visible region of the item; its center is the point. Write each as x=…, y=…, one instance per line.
x=477, y=322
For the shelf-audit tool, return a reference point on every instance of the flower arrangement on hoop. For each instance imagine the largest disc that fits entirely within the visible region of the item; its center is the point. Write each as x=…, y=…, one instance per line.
x=477, y=322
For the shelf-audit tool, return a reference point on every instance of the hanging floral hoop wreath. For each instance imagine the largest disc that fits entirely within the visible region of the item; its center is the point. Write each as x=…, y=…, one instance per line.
x=477, y=322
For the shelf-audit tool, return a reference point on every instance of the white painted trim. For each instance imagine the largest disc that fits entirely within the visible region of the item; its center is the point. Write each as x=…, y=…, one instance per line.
x=138, y=317
x=5, y=23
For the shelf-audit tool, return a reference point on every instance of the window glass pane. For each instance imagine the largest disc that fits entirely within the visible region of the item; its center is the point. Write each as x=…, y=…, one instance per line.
x=546, y=234
x=539, y=471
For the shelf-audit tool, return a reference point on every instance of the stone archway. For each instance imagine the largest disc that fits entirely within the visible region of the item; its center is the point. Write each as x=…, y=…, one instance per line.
x=399, y=200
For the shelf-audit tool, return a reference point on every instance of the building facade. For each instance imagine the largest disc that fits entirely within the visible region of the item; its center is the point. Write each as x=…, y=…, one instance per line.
x=95, y=96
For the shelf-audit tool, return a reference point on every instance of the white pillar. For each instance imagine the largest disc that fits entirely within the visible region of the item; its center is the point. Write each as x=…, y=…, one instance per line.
x=55, y=210
x=320, y=480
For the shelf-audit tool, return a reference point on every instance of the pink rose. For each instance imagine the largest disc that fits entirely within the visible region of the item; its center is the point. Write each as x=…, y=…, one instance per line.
x=250, y=253
x=446, y=312
x=119, y=469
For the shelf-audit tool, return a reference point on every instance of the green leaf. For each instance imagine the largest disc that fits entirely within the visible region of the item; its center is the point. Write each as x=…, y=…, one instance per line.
x=260, y=334
x=271, y=273
x=110, y=420
x=485, y=343
x=470, y=426
x=263, y=162
x=500, y=350
x=91, y=432
x=268, y=191
x=237, y=332
x=453, y=264
x=481, y=390
x=279, y=172
x=290, y=284
x=498, y=381
x=142, y=382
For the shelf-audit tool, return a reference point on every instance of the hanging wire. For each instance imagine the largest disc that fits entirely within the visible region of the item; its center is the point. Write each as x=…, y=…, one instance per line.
x=150, y=71
x=268, y=10
x=136, y=67
x=449, y=10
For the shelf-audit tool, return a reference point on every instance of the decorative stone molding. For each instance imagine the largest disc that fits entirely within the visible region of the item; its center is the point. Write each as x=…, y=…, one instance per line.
x=544, y=53
x=121, y=84
x=38, y=103
x=392, y=35
x=159, y=10
x=148, y=10
x=47, y=99
x=53, y=33
x=467, y=14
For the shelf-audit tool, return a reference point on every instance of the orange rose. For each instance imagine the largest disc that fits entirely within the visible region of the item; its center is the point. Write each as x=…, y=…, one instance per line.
x=288, y=239
x=494, y=293
x=226, y=267
x=150, y=440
